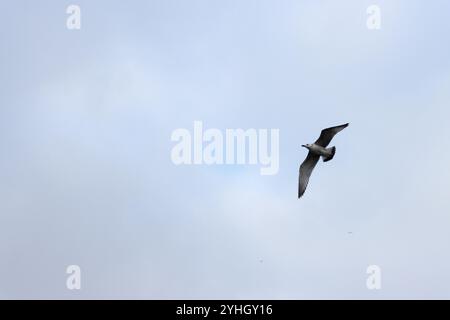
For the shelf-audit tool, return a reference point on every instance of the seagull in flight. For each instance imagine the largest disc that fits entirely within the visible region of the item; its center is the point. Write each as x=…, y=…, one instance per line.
x=316, y=150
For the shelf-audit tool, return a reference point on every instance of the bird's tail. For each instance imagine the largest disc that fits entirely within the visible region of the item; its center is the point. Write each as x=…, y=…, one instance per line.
x=328, y=158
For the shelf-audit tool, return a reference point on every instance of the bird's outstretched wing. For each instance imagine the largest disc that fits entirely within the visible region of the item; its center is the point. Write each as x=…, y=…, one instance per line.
x=327, y=134
x=306, y=169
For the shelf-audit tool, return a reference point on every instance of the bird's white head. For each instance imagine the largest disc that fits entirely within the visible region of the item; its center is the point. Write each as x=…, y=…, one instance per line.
x=307, y=146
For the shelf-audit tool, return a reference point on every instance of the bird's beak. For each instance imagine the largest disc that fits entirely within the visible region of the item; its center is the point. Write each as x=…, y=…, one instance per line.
x=303, y=145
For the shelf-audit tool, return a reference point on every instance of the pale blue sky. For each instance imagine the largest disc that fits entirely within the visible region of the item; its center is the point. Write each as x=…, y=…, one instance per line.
x=86, y=176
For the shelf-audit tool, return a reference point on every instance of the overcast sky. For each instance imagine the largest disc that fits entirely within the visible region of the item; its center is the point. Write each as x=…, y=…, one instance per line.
x=86, y=176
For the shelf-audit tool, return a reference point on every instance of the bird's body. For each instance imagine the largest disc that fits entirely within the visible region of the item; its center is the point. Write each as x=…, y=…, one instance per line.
x=316, y=150
x=320, y=151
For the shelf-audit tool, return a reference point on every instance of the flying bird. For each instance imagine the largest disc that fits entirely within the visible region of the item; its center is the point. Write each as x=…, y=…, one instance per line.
x=316, y=150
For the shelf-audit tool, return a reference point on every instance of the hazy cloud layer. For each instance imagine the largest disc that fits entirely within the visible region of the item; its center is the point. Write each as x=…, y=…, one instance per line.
x=86, y=176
